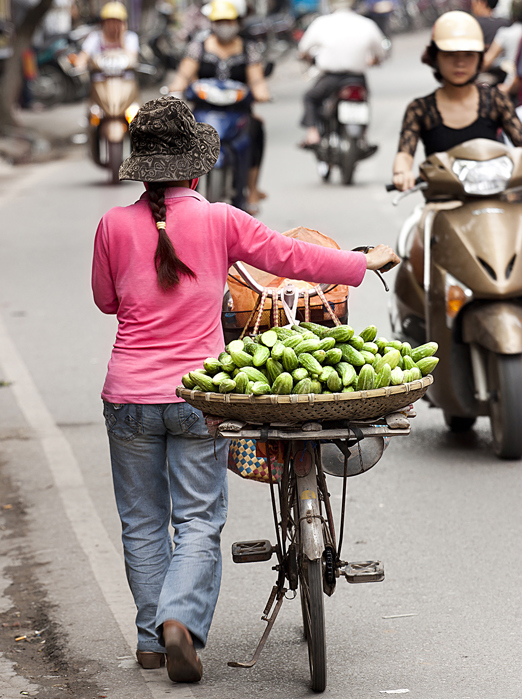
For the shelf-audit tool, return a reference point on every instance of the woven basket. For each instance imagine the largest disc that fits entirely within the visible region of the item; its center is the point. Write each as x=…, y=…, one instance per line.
x=359, y=405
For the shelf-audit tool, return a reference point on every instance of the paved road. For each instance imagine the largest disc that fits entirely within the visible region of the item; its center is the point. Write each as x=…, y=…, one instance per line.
x=440, y=511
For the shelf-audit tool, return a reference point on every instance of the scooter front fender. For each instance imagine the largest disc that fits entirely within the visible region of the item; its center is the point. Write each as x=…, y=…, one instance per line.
x=496, y=326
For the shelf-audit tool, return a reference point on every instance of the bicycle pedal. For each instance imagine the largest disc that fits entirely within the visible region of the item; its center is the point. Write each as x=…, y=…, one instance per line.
x=252, y=551
x=363, y=572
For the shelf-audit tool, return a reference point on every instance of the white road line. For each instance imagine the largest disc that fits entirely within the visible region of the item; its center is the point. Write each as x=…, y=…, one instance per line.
x=105, y=561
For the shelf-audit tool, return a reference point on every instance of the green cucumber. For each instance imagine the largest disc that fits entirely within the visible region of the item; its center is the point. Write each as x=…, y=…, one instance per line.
x=357, y=342
x=187, y=381
x=369, y=333
x=254, y=374
x=242, y=382
x=303, y=386
x=351, y=355
x=327, y=343
x=423, y=351
x=347, y=373
x=397, y=376
x=277, y=350
x=269, y=338
x=260, y=388
x=384, y=377
x=341, y=333
x=366, y=378
x=334, y=383
x=300, y=373
x=370, y=347
x=274, y=368
x=212, y=365
x=261, y=354
x=427, y=365
x=227, y=386
x=289, y=360
x=203, y=381
x=333, y=356
x=320, y=355
x=283, y=384
x=310, y=364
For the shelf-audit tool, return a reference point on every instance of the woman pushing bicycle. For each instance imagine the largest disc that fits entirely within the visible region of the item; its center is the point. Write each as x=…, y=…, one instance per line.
x=160, y=265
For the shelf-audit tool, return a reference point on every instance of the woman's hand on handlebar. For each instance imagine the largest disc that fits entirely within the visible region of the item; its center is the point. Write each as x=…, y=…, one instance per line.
x=382, y=258
x=404, y=180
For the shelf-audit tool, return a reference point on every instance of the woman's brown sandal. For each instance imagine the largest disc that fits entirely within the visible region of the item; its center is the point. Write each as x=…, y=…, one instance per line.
x=149, y=660
x=183, y=664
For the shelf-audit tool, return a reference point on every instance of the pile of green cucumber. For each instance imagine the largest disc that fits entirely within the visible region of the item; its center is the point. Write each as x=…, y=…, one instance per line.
x=311, y=358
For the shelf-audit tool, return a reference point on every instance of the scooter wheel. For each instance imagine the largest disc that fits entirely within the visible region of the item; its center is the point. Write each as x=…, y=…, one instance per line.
x=505, y=405
x=459, y=424
x=324, y=169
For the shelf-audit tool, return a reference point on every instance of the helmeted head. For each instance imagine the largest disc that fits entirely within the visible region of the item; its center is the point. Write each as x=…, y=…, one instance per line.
x=457, y=31
x=114, y=10
x=456, y=38
x=224, y=17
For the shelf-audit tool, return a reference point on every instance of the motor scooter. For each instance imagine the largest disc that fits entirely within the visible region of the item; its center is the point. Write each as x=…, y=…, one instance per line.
x=224, y=104
x=343, y=121
x=114, y=95
x=58, y=80
x=460, y=285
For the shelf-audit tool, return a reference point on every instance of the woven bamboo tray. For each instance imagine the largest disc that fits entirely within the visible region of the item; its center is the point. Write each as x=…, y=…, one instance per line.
x=359, y=405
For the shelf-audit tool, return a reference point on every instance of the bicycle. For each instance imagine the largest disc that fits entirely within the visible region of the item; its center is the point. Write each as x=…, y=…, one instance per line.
x=307, y=549
x=341, y=435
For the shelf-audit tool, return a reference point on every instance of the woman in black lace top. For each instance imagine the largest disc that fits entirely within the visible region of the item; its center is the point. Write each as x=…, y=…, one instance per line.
x=460, y=110
x=224, y=55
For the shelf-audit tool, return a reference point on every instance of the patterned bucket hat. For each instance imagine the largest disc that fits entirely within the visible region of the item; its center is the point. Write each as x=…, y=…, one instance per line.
x=168, y=144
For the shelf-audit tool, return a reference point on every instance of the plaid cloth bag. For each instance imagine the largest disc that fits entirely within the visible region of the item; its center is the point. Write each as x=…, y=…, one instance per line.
x=243, y=459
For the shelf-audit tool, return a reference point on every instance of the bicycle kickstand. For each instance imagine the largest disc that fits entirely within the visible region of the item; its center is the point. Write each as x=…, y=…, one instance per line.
x=279, y=594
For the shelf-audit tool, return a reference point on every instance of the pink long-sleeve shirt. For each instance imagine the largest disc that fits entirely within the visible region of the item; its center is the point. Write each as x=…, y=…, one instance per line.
x=164, y=334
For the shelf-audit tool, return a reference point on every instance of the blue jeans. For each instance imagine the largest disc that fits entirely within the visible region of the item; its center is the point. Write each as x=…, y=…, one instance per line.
x=164, y=469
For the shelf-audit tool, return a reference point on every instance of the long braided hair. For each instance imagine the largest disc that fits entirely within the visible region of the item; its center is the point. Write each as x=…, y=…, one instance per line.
x=168, y=265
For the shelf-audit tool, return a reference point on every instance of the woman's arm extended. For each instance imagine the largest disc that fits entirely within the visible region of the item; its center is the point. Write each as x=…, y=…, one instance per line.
x=403, y=176
x=257, y=83
x=186, y=74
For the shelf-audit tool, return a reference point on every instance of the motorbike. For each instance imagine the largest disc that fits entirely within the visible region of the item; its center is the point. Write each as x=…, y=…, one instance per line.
x=58, y=80
x=344, y=118
x=224, y=104
x=114, y=103
x=460, y=284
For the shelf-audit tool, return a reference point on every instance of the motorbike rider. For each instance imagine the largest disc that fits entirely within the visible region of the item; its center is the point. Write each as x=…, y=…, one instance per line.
x=459, y=110
x=113, y=35
x=504, y=49
x=224, y=55
x=342, y=44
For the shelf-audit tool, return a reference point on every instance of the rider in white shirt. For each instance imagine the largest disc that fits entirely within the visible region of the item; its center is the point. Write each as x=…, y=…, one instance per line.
x=113, y=35
x=341, y=44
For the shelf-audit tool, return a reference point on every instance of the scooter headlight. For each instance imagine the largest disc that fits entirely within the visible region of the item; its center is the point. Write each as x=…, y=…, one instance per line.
x=484, y=177
x=131, y=112
x=457, y=295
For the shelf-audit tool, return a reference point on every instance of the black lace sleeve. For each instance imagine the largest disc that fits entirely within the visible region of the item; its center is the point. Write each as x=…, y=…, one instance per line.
x=507, y=117
x=194, y=50
x=411, y=127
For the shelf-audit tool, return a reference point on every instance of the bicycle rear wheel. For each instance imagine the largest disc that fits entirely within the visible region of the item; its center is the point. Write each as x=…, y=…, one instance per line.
x=312, y=604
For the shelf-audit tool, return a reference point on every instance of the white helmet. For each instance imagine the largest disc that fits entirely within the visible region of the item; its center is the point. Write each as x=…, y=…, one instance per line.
x=457, y=31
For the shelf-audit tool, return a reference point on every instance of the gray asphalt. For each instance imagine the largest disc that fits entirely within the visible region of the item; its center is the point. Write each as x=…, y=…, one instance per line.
x=440, y=511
